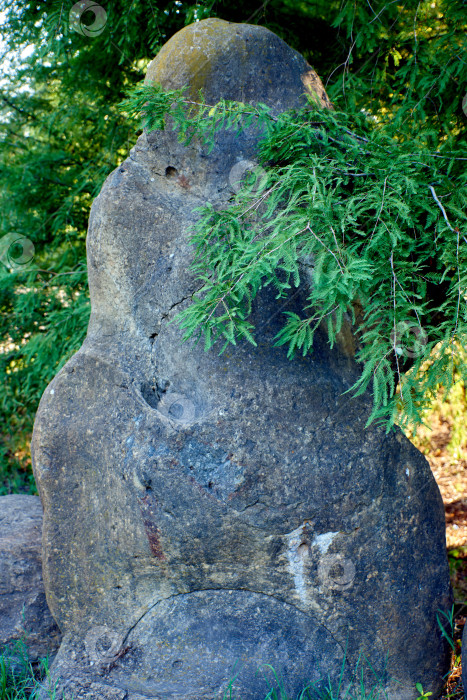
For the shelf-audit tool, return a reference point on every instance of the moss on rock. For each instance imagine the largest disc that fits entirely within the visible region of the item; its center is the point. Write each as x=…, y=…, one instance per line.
x=235, y=62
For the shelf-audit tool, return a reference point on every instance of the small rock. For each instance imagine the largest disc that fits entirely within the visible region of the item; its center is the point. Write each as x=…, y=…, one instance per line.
x=24, y=613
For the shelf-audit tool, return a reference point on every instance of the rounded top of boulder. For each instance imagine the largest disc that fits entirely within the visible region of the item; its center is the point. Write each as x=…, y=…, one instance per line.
x=232, y=61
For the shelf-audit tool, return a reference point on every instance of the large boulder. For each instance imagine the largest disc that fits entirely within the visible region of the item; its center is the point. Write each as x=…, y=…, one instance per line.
x=209, y=517
x=24, y=615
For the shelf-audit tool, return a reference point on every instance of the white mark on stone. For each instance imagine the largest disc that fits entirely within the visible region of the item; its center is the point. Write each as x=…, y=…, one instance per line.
x=152, y=179
x=324, y=541
x=407, y=471
x=296, y=561
x=52, y=391
x=138, y=483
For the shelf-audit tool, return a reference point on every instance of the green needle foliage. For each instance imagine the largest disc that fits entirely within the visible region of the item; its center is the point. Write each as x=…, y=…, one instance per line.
x=378, y=219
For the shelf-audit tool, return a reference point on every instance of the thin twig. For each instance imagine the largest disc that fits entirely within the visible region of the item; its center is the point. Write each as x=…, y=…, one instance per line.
x=308, y=228
x=380, y=209
x=458, y=287
x=435, y=197
x=395, y=328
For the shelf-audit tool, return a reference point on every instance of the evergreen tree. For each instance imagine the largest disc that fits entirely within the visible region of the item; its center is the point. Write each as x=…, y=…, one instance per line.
x=396, y=75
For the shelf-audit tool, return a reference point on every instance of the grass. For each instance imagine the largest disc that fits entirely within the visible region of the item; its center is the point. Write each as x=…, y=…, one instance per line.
x=19, y=678
x=359, y=690
x=22, y=680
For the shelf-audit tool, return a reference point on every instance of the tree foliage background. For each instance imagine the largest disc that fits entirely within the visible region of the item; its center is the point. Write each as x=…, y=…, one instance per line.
x=61, y=134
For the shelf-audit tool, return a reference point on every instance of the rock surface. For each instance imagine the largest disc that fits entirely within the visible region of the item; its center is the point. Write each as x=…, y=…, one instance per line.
x=207, y=515
x=24, y=614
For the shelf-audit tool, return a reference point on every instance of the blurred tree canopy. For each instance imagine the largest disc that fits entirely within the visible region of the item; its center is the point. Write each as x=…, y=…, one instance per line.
x=61, y=134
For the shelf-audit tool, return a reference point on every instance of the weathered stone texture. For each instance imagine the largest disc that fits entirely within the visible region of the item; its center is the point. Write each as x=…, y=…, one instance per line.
x=206, y=515
x=24, y=614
